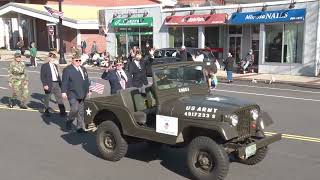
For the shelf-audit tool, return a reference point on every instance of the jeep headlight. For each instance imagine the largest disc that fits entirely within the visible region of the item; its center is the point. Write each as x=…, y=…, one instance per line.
x=254, y=113
x=233, y=119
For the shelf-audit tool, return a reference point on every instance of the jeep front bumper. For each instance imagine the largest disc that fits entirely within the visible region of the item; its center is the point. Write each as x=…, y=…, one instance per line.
x=245, y=152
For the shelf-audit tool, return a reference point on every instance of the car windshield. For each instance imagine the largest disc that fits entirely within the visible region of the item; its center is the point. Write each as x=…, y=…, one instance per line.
x=176, y=77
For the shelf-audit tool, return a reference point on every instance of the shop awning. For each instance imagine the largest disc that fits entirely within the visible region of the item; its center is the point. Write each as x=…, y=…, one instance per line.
x=77, y=17
x=132, y=22
x=203, y=19
x=285, y=15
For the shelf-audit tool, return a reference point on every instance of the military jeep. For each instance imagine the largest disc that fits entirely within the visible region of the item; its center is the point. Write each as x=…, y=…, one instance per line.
x=177, y=110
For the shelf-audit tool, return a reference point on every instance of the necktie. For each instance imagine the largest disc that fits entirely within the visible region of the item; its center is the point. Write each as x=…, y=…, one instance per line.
x=55, y=71
x=79, y=70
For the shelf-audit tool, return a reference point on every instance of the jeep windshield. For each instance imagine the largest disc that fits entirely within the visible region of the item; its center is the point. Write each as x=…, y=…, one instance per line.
x=177, y=77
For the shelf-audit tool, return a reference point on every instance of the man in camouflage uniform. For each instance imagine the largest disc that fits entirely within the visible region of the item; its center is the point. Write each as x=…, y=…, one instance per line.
x=18, y=81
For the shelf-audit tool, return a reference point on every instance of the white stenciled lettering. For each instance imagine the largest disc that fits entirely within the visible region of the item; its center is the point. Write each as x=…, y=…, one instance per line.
x=209, y=110
x=199, y=109
x=188, y=108
x=204, y=109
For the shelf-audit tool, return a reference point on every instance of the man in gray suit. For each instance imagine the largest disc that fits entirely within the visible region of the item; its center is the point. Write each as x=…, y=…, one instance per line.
x=51, y=82
x=75, y=88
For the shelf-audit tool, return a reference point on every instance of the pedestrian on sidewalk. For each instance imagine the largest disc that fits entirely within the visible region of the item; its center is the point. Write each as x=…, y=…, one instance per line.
x=18, y=81
x=20, y=45
x=33, y=54
x=249, y=59
x=51, y=82
x=83, y=46
x=228, y=64
x=75, y=88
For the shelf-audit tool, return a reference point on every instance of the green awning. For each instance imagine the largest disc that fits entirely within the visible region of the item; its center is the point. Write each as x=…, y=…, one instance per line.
x=132, y=22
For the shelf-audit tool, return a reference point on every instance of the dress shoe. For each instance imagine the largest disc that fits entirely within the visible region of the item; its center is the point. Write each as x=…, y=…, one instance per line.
x=81, y=130
x=47, y=112
x=10, y=105
x=23, y=106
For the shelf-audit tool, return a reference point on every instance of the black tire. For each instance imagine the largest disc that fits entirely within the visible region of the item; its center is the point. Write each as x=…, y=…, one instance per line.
x=255, y=159
x=110, y=142
x=214, y=163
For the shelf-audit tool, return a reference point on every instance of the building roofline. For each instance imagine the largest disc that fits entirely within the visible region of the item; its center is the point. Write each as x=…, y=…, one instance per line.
x=235, y=6
x=76, y=24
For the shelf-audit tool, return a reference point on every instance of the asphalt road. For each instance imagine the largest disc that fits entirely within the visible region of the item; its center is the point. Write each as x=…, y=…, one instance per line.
x=36, y=148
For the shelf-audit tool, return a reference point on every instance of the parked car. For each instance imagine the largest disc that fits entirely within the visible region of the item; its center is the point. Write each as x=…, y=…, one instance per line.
x=171, y=55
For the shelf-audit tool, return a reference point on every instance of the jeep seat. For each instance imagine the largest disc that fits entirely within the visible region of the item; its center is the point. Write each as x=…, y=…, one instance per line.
x=134, y=102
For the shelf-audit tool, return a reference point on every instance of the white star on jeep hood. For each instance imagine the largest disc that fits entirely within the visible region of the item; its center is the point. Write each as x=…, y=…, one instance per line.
x=88, y=112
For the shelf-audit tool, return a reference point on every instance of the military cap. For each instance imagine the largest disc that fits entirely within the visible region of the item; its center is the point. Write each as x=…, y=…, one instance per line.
x=119, y=61
x=17, y=53
x=76, y=55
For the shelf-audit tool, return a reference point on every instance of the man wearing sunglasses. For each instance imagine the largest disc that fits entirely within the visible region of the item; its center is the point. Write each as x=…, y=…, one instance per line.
x=51, y=82
x=117, y=77
x=75, y=88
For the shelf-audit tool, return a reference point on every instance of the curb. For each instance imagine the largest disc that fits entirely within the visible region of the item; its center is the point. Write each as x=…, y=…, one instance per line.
x=299, y=84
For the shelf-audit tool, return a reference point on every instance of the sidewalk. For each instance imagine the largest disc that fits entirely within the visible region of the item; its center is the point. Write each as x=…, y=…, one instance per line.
x=7, y=55
x=305, y=81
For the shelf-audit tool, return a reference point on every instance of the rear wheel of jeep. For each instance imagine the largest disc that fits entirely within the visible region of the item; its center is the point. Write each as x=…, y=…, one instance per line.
x=207, y=160
x=110, y=142
x=255, y=159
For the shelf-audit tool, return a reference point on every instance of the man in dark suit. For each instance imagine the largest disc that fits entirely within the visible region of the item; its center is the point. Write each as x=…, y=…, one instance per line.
x=137, y=71
x=75, y=88
x=118, y=78
x=51, y=82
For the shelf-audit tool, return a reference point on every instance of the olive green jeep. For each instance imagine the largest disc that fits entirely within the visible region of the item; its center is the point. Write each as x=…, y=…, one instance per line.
x=177, y=110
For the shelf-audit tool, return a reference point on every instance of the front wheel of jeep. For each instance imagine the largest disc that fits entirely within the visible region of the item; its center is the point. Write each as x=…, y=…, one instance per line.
x=255, y=159
x=110, y=142
x=207, y=160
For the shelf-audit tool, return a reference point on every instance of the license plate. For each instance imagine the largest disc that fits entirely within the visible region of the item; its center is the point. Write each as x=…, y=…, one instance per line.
x=251, y=150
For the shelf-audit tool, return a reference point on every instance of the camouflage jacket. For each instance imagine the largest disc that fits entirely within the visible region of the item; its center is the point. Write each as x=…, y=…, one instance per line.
x=17, y=71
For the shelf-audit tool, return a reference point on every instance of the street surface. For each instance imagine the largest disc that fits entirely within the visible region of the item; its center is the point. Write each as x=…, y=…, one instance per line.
x=34, y=147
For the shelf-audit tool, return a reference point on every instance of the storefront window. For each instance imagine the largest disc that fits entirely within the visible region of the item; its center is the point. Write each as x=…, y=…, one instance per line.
x=128, y=37
x=175, y=37
x=235, y=29
x=284, y=43
x=212, y=37
x=191, y=36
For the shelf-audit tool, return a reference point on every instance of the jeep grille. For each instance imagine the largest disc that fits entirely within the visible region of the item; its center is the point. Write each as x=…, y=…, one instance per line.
x=244, y=128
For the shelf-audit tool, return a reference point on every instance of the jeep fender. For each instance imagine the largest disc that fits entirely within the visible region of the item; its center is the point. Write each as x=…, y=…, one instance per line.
x=226, y=132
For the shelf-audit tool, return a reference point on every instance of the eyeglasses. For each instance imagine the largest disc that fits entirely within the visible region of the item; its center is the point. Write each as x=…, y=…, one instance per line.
x=77, y=60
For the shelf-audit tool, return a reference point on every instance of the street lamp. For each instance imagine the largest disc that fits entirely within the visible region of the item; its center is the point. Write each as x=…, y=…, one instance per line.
x=61, y=51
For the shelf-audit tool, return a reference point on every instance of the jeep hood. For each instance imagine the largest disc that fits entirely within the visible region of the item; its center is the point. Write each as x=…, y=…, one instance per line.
x=210, y=104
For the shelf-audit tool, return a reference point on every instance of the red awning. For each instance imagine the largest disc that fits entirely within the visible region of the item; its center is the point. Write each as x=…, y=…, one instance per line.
x=204, y=19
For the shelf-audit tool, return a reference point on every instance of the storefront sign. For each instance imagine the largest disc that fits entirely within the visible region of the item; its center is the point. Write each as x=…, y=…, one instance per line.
x=268, y=16
x=132, y=22
x=204, y=19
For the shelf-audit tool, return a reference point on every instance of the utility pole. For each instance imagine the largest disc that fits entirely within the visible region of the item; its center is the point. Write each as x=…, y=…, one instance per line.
x=61, y=50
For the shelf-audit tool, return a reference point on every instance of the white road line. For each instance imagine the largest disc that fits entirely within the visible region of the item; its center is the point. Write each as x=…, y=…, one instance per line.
x=34, y=71
x=280, y=89
x=4, y=75
x=3, y=88
x=269, y=95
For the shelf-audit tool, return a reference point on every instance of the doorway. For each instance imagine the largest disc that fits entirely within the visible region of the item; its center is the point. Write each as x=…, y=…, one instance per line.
x=235, y=47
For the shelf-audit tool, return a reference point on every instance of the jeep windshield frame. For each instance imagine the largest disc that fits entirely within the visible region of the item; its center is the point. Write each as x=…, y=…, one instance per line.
x=187, y=85
x=177, y=77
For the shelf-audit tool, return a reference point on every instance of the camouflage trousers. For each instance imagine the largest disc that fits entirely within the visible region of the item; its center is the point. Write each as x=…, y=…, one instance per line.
x=20, y=90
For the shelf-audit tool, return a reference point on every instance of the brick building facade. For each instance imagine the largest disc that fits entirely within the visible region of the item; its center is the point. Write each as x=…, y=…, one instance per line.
x=26, y=21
